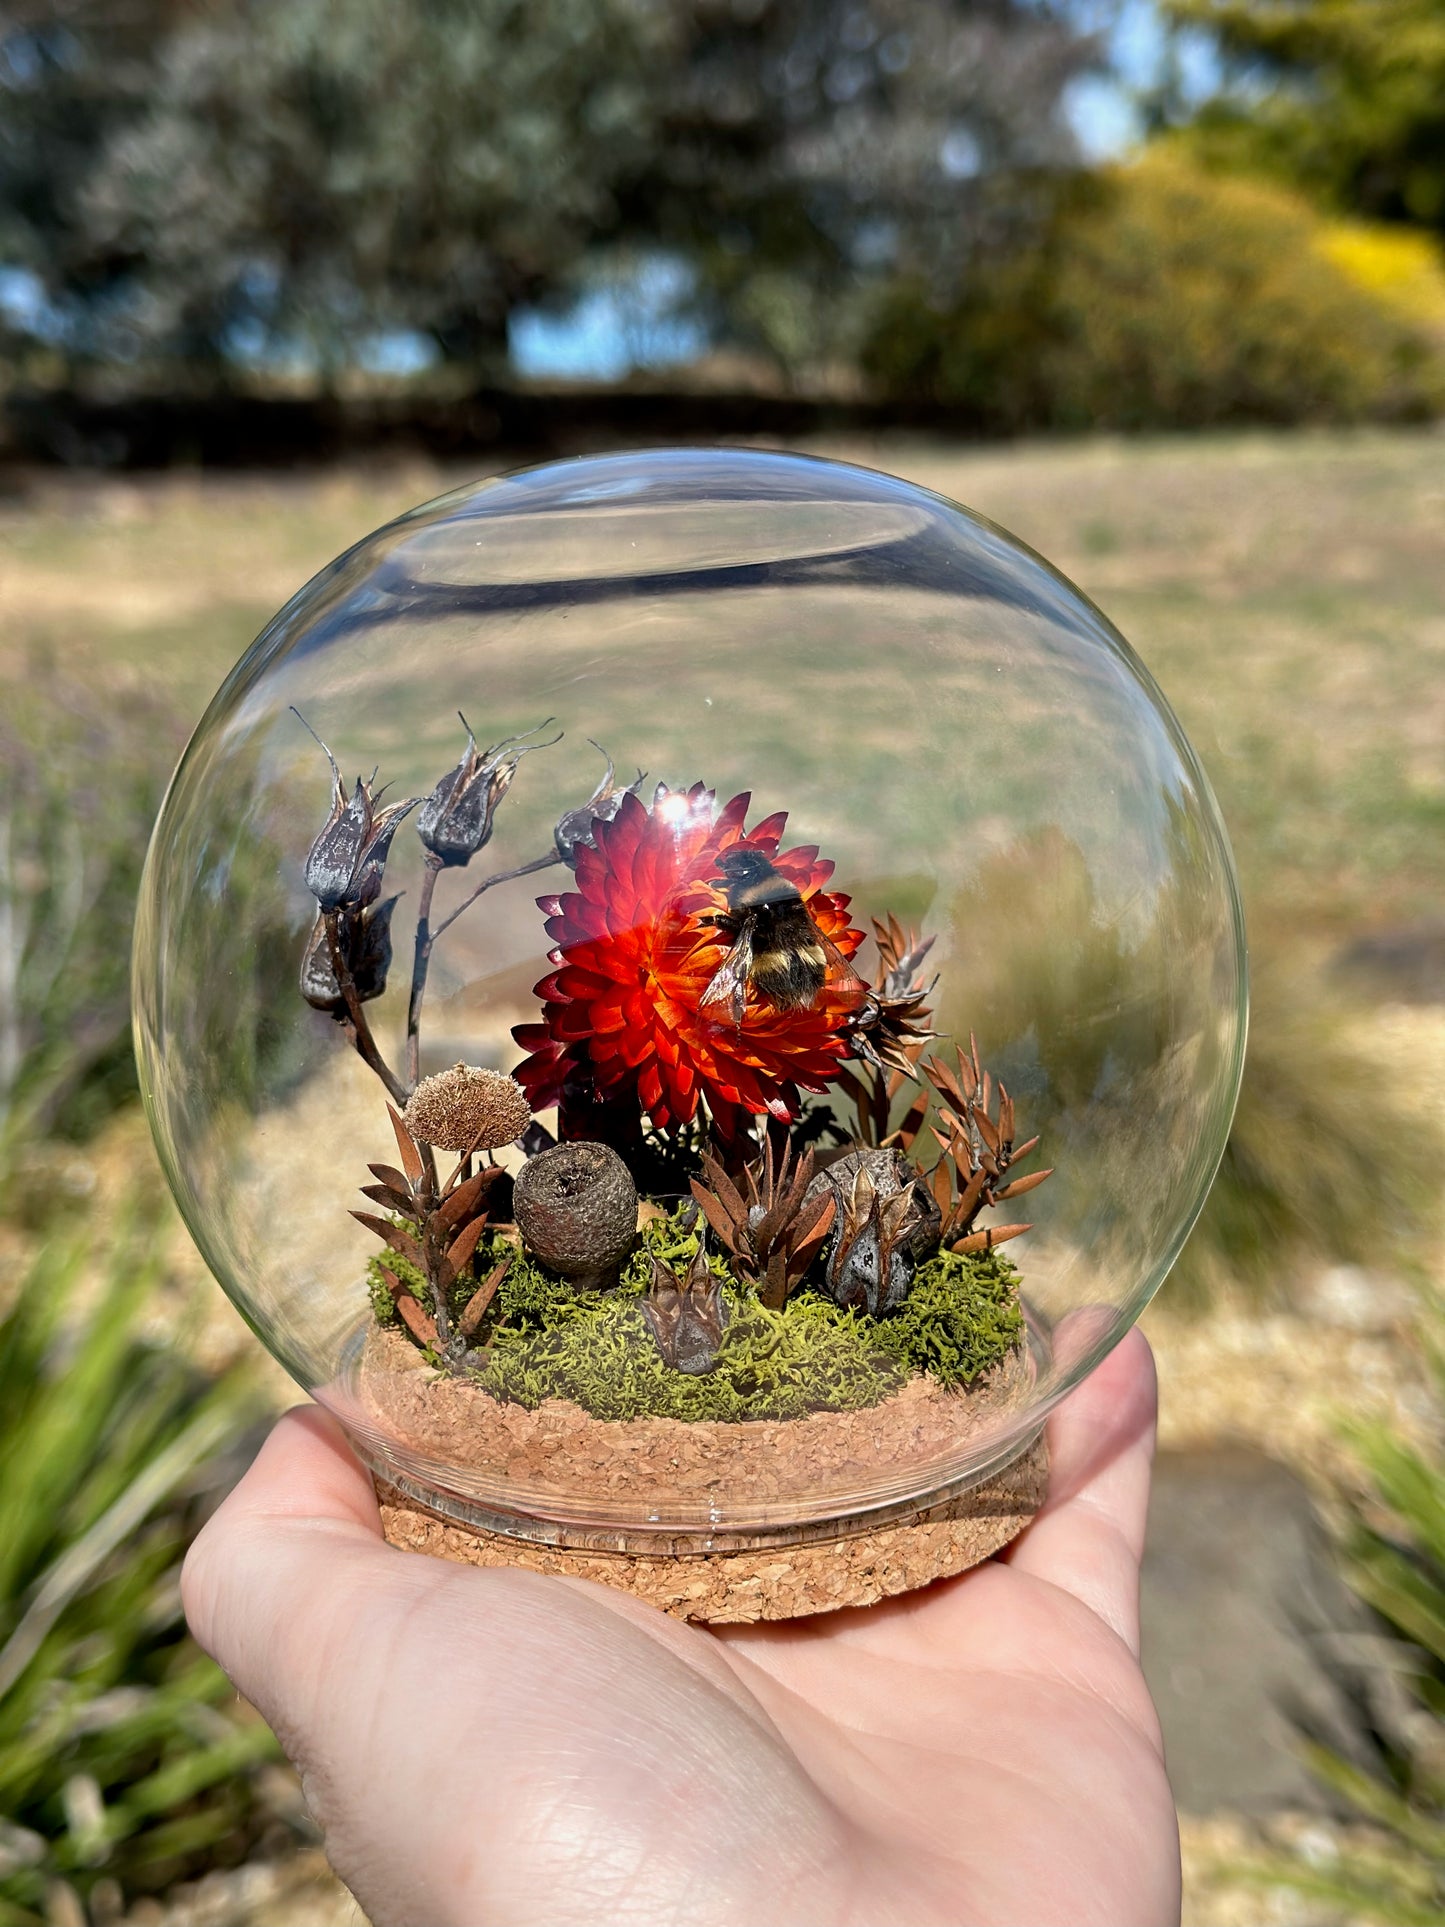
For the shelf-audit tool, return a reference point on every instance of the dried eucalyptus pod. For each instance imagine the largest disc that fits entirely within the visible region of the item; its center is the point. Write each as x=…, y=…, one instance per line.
x=576, y=1210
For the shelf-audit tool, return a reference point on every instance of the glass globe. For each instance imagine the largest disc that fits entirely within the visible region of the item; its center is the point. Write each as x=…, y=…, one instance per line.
x=618, y=1107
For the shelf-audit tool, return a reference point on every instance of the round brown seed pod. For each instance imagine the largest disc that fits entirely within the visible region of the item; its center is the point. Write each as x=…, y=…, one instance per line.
x=467, y=1109
x=576, y=1210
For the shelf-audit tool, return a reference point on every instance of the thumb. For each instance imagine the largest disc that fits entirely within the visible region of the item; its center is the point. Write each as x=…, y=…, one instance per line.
x=490, y=1744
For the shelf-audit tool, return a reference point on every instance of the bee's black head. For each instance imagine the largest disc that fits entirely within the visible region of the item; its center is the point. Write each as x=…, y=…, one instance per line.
x=740, y=865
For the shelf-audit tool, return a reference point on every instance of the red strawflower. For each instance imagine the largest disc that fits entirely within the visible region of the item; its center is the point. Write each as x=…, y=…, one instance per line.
x=620, y=1018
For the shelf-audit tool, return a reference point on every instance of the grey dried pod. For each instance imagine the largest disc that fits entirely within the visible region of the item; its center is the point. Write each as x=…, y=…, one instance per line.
x=686, y=1314
x=456, y=819
x=887, y=1225
x=576, y=1210
x=576, y=829
x=345, y=865
x=363, y=938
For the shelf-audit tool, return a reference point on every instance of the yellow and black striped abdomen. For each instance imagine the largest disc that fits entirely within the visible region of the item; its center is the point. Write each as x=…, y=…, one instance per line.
x=789, y=965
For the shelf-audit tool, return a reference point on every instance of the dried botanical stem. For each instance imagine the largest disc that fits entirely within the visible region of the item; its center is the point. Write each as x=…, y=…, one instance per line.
x=487, y=883
x=361, y=1035
x=426, y=938
x=420, y=965
x=440, y=1230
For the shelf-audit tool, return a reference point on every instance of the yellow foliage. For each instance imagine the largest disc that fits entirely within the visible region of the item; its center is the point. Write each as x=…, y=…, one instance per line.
x=1167, y=295
x=1402, y=268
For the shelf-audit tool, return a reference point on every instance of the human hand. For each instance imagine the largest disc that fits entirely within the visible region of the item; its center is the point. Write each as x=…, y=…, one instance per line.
x=499, y=1747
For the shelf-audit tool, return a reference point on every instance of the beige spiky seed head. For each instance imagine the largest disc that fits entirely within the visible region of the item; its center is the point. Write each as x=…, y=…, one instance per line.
x=467, y=1109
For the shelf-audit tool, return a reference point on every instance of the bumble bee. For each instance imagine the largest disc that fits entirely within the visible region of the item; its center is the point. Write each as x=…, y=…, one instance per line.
x=776, y=946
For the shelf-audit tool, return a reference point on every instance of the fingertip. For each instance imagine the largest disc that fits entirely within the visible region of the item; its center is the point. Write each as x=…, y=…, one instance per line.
x=1113, y=1411
x=1088, y=1537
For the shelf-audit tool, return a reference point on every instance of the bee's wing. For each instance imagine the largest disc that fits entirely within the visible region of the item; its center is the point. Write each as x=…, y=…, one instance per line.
x=728, y=987
x=843, y=980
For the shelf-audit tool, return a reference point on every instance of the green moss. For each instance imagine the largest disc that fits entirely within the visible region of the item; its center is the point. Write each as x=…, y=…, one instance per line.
x=809, y=1357
x=961, y=1317
x=672, y=1241
x=544, y=1338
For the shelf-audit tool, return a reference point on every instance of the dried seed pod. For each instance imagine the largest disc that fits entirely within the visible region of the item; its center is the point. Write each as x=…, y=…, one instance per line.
x=577, y=829
x=456, y=819
x=363, y=938
x=467, y=1109
x=576, y=1209
x=345, y=864
x=887, y=1224
x=686, y=1314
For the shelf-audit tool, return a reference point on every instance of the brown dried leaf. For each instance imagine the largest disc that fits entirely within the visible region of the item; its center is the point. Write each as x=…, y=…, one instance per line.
x=945, y=1083
x=724, y=1188
x=714, y=1210
x=987, y=1130
x=941, y=1185
x=773, y=1287
x=460, y=1249
x=460, y=1203
x=1020, y=1185
x=476, y=1306
x=389, y=1234
x=419, y=1323
x=986, y=1240
x=406, y=1144
x=389, y=1174
x=808, y=1247
x=966, y=1209
x=401, y=1201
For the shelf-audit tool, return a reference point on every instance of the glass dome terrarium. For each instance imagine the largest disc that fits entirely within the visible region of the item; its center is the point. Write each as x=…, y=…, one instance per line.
x=624, y=1102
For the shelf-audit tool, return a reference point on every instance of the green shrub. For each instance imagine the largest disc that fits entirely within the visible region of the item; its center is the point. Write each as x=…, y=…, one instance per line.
x=124, y=1757
x=1163, y=296
x=1326, y=1163
x=84, y=773
x=1391, y=1534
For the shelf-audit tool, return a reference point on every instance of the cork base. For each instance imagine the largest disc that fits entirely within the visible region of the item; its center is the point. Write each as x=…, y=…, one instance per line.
x=781, y=1582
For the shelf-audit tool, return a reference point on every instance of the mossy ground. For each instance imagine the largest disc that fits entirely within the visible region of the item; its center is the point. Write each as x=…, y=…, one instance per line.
x=545, y=1339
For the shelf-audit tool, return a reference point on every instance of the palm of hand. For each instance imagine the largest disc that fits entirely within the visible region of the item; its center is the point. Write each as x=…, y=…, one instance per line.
x=499, y=1747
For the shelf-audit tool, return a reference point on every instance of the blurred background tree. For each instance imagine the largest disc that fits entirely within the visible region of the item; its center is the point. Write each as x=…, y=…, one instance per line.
x=1342, y=98
x=322, y=184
